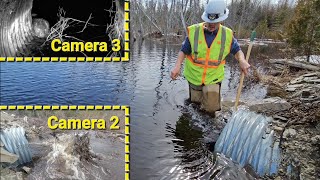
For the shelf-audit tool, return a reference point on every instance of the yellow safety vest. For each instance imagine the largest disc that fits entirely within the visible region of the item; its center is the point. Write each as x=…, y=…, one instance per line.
x=206, y=65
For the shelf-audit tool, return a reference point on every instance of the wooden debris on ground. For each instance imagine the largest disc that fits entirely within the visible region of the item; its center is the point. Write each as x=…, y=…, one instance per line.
x=295, y=64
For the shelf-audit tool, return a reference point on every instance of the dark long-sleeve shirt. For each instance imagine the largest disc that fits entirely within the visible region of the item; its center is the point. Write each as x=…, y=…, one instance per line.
x=186, y=46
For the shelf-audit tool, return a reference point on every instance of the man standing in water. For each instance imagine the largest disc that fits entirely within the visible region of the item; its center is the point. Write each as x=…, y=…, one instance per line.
x=205, y=50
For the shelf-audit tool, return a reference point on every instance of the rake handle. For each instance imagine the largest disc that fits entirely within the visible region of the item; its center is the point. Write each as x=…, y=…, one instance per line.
x=253, y=34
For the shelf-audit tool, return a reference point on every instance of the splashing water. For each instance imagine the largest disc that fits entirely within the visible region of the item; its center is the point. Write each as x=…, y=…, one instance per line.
x=61, y=163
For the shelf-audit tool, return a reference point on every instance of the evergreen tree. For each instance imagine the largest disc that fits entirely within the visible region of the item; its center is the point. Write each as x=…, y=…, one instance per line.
x=304, y=29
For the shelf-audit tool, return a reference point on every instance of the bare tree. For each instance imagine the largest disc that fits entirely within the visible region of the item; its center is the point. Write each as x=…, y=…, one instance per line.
x=164, y=17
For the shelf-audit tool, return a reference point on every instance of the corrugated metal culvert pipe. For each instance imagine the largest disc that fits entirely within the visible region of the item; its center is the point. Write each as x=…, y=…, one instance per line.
x=15, y=26
x=248, y=140
x=15, y=142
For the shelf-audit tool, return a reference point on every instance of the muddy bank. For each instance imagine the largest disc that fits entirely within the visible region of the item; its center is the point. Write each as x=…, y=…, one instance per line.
x=66, y=154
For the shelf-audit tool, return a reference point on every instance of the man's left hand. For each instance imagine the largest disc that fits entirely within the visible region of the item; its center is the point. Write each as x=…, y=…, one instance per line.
x=244, y=65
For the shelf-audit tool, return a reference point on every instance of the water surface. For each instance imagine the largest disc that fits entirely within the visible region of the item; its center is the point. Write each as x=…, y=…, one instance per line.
x=170, y=138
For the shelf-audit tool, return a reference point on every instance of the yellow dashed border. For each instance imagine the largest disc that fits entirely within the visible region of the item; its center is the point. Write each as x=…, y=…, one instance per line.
x=88, y=107
x=125, y=57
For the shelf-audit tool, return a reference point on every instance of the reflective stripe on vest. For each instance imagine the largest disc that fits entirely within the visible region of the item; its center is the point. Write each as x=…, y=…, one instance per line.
x=196, y=39
x=202, y=62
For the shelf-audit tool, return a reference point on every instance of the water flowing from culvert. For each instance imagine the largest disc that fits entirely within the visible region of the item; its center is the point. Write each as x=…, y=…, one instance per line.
x=56, y=159
x=169, y=137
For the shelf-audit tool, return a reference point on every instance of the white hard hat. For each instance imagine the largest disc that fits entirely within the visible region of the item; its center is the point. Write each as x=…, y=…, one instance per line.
x=215, y=11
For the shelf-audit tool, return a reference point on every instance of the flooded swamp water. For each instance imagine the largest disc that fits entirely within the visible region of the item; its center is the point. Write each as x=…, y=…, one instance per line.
x=170, y=137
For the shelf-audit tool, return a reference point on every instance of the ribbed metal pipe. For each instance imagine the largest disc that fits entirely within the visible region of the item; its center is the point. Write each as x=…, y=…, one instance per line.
x=15, y=26
x=15, y=142
x=248, y=140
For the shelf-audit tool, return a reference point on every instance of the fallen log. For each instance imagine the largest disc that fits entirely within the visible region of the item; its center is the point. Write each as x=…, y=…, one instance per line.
x=295, y=64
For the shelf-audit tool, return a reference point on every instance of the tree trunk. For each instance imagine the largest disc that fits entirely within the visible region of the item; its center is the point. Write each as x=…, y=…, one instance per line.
x=154, y=24
x=241, y=18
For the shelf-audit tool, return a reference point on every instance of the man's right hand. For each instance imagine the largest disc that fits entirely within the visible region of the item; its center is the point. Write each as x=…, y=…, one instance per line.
x=175, y=73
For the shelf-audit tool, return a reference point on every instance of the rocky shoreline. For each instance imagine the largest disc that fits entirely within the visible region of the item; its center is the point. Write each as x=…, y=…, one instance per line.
x=298, y=127
x=293, y=101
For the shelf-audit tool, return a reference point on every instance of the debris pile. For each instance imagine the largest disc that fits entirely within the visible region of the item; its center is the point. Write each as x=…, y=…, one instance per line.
x=299, y=126
x=82, y=147
x=306, y=88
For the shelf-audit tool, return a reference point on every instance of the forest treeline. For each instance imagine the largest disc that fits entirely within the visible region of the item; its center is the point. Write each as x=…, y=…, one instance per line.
x=296, y=22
